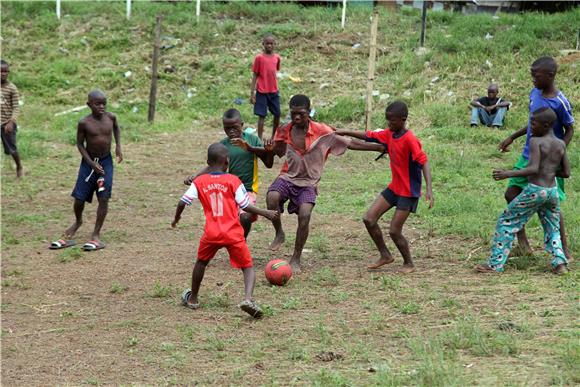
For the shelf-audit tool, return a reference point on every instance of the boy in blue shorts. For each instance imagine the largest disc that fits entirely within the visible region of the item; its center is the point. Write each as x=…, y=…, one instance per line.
x=407, y=162
x=547, y=160
x=544, y=94
x=264, y=93
x=94, y=137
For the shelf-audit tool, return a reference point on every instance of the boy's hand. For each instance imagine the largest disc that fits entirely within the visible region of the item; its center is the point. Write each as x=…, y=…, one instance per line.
x=269, y=145
x=429, y=198
x=240, y=143
x=98, y=168
x=500, y=174
x=503, y=146
x=253, y=99
x=188, y=180
x=9, y=127
x=119, y=155
x=272, y=215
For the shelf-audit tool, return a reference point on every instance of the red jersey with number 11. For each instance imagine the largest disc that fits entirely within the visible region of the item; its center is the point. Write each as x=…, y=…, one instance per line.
x=220, y=195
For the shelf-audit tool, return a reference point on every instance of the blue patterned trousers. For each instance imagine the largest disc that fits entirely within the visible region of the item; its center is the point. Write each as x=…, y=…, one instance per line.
x=533, y=199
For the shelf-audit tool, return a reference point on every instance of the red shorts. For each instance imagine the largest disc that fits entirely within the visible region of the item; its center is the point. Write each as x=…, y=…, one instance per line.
x=240, y=257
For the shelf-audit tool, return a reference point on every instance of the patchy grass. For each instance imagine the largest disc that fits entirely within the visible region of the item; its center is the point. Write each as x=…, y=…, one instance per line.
x=335, y=324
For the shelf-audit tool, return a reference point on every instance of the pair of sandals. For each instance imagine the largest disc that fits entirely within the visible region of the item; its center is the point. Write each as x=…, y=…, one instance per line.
x=250, y=307
x=64, y=243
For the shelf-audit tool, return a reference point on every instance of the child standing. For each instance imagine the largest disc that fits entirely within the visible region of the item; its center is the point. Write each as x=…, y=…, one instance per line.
x=94, y=136
x=221, y=194
x=544, y=94
x=264, y=93
x=547, y=155
x=244, y=149
x=10, y=110
x=407, y=161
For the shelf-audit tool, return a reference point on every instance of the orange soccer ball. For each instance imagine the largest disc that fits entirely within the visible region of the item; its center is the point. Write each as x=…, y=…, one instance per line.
x=278, y=272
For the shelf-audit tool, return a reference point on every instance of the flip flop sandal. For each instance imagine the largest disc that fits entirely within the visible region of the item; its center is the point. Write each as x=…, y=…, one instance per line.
x=185, y=298
x=93, y=246
x=62, y=244
x=251, y=308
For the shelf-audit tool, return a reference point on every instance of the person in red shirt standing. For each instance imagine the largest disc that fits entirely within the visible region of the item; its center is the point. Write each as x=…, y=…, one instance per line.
x=264, y=93
x=306, y=145
x=221, y=194
x=407, y=161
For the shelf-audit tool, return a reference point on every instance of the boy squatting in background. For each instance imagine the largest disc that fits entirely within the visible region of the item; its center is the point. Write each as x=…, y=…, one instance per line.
x=407, y=161
x=544, y=94
x=264, y=94
x=490, y=110
x=94, y=137
x=243, y=149
x=306, y=145
x=547, y=156
x=221, y=194
x=9, y=115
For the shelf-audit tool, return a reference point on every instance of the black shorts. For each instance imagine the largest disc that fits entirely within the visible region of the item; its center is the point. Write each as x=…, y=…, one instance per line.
x=9, y=141
x=265, y=102
x=402, y=203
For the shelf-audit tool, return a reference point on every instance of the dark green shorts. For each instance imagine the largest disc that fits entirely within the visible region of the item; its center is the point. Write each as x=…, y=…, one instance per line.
x=522, y=182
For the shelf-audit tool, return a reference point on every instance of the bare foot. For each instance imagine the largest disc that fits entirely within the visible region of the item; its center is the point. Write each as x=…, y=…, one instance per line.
x=71, y=231
x=567, y=254
x=296, y=269
x=561, y=269
x=485, y=268
x=19, y=173
x=405, y=269
x=381, y=262
x=277, y=242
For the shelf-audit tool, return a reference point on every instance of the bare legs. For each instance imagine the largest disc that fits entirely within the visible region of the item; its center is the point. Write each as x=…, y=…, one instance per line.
x=379, y=207
x=78, y=208
x=199, y=272
x=272, y=202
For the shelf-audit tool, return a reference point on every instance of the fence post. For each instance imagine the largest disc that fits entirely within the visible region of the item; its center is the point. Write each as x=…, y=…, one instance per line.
x=423, y=23
x=343, y=13
x=58, y=9
x=197, y=9
x=371, y=73
x=128, y=9
x=153, y=91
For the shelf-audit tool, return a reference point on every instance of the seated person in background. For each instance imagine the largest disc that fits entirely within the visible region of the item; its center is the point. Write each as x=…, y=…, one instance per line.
x=489, y=110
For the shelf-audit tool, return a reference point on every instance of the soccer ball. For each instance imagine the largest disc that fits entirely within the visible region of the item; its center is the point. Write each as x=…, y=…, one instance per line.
x=278, y=272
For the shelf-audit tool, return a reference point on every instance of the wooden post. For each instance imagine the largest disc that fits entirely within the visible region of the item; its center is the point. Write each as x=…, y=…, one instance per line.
x=58, y=9
x=128, y=9
x=371, y=73
x=423, y=23
x=197, y=9
x=343, y=13
x=153, y=93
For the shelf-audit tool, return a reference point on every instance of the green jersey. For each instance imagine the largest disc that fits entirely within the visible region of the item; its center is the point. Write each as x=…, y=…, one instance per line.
x=244, y=164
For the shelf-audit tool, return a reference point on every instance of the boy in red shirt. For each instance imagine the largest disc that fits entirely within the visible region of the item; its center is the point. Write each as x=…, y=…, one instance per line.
x=264, y=90
x=407, y=161
x=221, y=194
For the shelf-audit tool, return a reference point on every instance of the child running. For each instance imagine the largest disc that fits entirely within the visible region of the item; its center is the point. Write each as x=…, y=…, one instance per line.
x=544, y=94
x=9, y=113
x=407, y=161
x=244, y=149
x=547, y=160
x=264, y=93
x=94, y=137
x=221, y=194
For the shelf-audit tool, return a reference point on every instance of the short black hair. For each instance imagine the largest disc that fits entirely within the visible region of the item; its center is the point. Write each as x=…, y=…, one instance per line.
x=300, y=100
x=546, y=63
x=216, y=153
x=399, y=108
x=232, y=114
x=268, y=35
x=3, y=63
x=493, y=86
x=96, y=93
x=545, y=115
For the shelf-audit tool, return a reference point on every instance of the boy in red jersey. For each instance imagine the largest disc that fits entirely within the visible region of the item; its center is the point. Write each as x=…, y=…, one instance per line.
x=264, y=93
x=407, y=160
x=221, y=194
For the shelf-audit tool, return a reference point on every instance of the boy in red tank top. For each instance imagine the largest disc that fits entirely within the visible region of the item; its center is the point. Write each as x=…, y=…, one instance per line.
x=221, y=194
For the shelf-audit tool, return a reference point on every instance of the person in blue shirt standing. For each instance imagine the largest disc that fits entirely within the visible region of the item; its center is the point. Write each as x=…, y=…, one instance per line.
x=544, y=94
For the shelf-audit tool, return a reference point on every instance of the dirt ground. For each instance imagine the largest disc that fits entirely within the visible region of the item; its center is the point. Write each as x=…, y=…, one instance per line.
x=113, y=316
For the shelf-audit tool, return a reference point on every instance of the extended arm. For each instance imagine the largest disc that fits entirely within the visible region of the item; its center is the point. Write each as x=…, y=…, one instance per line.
x=366, y=146
x=532, y=168
x=265, y=155
x=117, y=135
x=429, y=189
x=253, y=88
x=352, y=133
x=507, y=142
x=178, y=211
